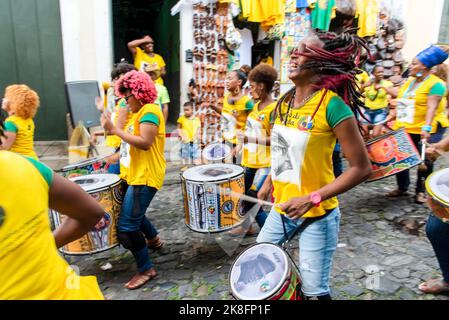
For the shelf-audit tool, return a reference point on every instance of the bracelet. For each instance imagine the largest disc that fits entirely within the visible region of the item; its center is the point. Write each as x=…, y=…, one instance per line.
x=426, y=128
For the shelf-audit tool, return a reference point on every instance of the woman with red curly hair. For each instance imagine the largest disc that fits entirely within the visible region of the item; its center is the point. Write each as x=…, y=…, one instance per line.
x=21, y=103
x=142, y=157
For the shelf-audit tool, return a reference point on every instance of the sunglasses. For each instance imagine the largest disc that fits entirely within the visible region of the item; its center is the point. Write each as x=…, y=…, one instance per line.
x=127, y=98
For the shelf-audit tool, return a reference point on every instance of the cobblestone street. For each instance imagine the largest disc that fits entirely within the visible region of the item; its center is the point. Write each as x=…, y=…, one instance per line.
x=383, y=252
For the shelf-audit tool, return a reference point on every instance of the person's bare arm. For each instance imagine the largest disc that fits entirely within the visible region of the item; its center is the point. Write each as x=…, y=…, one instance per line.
x=144, y=141
x=432, y=105
x=392, y=91
x=163, y=71
x=82, y=211
x=216, y=108
x=122, y=116
x=351, y=141
x=137, y=43
x=8, y=140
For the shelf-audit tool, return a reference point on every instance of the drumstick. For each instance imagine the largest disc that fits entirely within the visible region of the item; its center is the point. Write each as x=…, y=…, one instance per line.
x=245, y=197
x=441, y=153
x=422, y=167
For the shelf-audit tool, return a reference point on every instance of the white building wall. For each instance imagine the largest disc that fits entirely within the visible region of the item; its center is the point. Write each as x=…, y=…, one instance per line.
x=87, y=39
x=186, y=42
x=422, y=23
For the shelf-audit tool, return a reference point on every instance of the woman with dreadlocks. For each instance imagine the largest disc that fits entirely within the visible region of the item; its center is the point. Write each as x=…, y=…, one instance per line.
x=310, y=118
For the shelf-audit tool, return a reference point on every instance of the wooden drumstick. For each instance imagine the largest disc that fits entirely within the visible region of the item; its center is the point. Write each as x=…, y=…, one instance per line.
x=246, y=198
x=422, y=167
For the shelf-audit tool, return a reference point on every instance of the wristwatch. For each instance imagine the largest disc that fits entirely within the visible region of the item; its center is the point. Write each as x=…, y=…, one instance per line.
x=315, y=198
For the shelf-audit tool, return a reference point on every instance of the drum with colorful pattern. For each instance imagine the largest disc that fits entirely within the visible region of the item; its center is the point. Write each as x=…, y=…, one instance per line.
x=109, y=191
x=209, y=204
x=265, y=271
x=437, y=186
x=88, y=166
x=392, y=153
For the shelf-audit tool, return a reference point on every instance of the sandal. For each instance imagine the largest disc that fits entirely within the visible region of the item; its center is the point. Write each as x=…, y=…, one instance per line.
x=155, y=243
x=420, y=198
x=140, y=279
x=397, y=193
x=434, y=286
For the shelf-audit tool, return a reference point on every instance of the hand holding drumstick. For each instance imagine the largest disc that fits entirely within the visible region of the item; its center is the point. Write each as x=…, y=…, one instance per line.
x=105, y=118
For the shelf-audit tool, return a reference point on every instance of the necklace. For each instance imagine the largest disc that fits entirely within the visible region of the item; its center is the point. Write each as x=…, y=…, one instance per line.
x=306, y=99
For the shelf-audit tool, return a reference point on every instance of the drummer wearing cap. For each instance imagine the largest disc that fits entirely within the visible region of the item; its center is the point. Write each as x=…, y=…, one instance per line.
x=31, y=266
x=438, y=233
x=421, y=111
x=309, y=119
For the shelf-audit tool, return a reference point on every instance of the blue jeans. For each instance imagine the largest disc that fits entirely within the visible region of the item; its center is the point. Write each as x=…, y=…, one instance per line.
x=374, y=116
x=261, y=215
x=438, y=234
x=317, y=244
x=336, y=161
x=132, y=223
x=403, y=177
x=190, y=151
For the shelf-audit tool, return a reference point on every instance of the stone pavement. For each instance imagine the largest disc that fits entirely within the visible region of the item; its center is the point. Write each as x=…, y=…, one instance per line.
x=383, y=252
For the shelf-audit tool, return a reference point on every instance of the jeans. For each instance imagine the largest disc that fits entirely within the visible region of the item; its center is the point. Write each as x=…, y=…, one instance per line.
x=317, y=244
x=190, y=151
x=261, y=215
x=438, y=234
x=374, y=116
x=132, y=221
x=403, y=177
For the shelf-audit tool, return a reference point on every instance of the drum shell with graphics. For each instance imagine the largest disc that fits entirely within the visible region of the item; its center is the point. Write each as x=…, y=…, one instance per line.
x=103, y=236
x=392, y=153
x=85, y=167
x=265, y=271
x=437, y=186
x=207, y=206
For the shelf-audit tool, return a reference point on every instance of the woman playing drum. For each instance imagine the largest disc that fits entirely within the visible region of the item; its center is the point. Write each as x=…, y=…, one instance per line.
x=421, y=111
x=309, y=119
x=145, y=162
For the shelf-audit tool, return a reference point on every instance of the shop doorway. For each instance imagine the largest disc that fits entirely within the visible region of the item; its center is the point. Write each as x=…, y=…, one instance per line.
x=136, y=18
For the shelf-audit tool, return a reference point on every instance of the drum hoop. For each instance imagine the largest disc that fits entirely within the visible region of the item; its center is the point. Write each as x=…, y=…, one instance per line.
x=84, y=163
x=392, y=174
x=431, y=192
x=215, y=231
x=87, y=253
x=217, y=181
x=280, y=283
x=103, y=188
x=390, y=133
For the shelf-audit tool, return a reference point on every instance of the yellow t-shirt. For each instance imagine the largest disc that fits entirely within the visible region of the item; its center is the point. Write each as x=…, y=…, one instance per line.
x=146, y=167
x=301, y=163
x=368, y=14
x=190, y=127
x=233, y=117
x=31, y=267
x=115, y=141
x=376, y=100
x=258, y=124
x=142, y=59
x=24, y=130
x=431, y=85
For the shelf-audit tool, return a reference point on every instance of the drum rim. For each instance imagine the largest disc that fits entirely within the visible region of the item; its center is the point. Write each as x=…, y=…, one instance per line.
x=391, y=174
x=210, y=146
x=77, y=165
x=87, y=253
x=278, y=286
x=242, y=172
x=100, y=188
x=431, y=192
x=392, y=132
x=216, y=231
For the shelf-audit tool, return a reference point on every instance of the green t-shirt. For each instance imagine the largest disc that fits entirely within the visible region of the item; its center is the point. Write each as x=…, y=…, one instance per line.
x=162, y=95
x=337, y=111
x=322, y=14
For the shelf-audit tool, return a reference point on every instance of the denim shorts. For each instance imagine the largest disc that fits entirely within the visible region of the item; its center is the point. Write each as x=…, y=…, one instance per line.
x=190, y=150
x=317, y=244
x=374, y=116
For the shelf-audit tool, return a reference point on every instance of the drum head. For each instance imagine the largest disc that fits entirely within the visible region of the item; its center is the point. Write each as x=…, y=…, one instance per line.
x=212, y=172
x=94, y=182
x=83, y=163
x=259, y=272
x=216, y=152
x=437, y=185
